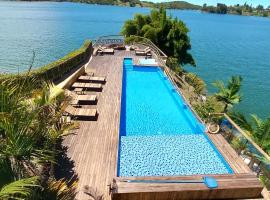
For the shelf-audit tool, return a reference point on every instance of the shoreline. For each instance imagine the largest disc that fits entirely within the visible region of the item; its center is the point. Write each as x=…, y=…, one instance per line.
x=156, y=6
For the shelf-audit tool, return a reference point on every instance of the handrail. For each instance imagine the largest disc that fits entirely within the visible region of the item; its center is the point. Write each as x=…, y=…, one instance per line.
x=107, y=38
x=258, y=148
x=246, y=136
x=147, y=41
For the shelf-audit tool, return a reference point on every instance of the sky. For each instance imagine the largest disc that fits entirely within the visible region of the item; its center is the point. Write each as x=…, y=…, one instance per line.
x=227, y=2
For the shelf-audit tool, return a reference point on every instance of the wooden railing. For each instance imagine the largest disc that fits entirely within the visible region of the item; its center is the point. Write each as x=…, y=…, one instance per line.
x=161, y=56
x=107, y=40
x=230, y=130
x=119, y=39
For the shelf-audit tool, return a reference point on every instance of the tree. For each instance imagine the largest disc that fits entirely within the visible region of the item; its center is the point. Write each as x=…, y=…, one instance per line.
x=30, y=126
x=222, y=8
x=260, y=8
x=229, y=94
x=170, y=35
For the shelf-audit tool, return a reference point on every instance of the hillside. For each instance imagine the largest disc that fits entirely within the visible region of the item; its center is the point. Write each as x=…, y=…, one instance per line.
x=178, y=5
x=132, y=3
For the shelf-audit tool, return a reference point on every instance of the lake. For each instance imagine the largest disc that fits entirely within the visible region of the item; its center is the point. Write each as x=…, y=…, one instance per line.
x=223, y=45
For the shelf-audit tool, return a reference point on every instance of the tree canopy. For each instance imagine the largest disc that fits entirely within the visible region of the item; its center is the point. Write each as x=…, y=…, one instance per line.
x=170, y=35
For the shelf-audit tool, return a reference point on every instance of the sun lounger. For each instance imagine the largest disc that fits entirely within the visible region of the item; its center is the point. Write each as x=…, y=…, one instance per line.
x=84, y=78
x=103, y=50
x=81, y=99
x=87, y=86
x=94, y=79
x=98, y=79
x=81, y=113
x=133, y=48
x=143, y=52
x=108, y=51
x=78, y=90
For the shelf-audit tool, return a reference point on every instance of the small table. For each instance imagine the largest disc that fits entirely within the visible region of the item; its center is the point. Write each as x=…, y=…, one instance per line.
x=78, y=90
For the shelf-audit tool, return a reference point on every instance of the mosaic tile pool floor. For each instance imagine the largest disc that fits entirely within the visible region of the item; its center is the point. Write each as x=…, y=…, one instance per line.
x=169, y=155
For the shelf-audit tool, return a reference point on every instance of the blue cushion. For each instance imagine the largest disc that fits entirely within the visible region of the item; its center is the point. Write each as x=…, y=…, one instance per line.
x=210, y=182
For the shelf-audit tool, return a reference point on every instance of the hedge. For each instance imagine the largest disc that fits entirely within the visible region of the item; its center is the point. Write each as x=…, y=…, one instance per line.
x=58, y=68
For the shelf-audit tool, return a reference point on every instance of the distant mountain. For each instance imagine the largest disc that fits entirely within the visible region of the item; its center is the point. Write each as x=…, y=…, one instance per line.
x=175, y=5
x=132, y=3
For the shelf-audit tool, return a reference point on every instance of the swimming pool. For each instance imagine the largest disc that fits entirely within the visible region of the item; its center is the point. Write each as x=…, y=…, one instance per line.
x=159, y=135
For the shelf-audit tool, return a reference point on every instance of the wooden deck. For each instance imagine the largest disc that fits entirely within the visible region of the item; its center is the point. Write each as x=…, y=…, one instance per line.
x=94, y=149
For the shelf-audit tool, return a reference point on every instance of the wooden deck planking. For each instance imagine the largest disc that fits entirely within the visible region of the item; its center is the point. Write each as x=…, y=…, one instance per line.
x=232, y=158
x=94, y=149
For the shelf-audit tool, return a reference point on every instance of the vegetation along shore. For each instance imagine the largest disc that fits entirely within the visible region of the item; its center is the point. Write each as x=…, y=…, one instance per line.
x=220, y=8
x=183, y=5
x=245, y=10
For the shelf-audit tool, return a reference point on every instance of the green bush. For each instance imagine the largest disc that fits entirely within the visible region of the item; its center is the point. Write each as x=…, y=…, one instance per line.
x=198, y=84
x=56, y=69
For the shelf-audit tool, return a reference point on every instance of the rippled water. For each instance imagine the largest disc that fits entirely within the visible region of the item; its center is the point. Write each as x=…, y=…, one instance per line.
x=223, y=45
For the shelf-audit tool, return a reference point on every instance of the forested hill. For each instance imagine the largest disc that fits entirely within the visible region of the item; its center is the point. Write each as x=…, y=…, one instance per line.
x=133, y=3
x=173, y=5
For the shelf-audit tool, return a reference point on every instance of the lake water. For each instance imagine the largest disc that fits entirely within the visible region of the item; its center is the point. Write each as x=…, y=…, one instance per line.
x=223, y=45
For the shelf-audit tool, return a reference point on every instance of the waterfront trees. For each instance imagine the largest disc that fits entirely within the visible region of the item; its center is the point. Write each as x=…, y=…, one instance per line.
x=229, y=94
x=237, y=9
x=170, y=35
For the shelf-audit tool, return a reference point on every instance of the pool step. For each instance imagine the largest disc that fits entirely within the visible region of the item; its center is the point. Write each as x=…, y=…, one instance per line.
x=128, y=67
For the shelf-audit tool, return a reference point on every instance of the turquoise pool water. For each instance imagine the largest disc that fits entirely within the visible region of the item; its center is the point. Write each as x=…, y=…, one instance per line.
x=159, y=135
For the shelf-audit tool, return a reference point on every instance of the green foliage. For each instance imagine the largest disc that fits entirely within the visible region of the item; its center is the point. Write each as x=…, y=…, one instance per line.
x=198, y=84
x=183, y=5
x=257, y=128
x=170, y=35
x=238, y=10
x=57, y=190
x=211, y=105
x=174, y=65
x=238, y=144
x=30, y=127
x=265, y=180
x=20, y=189
x=54, y=70
x=220, y=8
x=229, y=94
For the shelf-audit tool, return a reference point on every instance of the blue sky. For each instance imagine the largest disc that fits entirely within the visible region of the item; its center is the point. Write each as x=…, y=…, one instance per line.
x=228, y=2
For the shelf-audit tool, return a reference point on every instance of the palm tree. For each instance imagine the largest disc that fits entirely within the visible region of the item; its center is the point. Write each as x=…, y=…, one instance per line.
x=229, y=94
x=20, y=189
x=30, y=127
x=257, y=128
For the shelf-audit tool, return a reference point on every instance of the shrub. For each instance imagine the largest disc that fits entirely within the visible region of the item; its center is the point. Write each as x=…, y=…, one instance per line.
x=211, y=105
x=198, y=84
x=174, y=65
